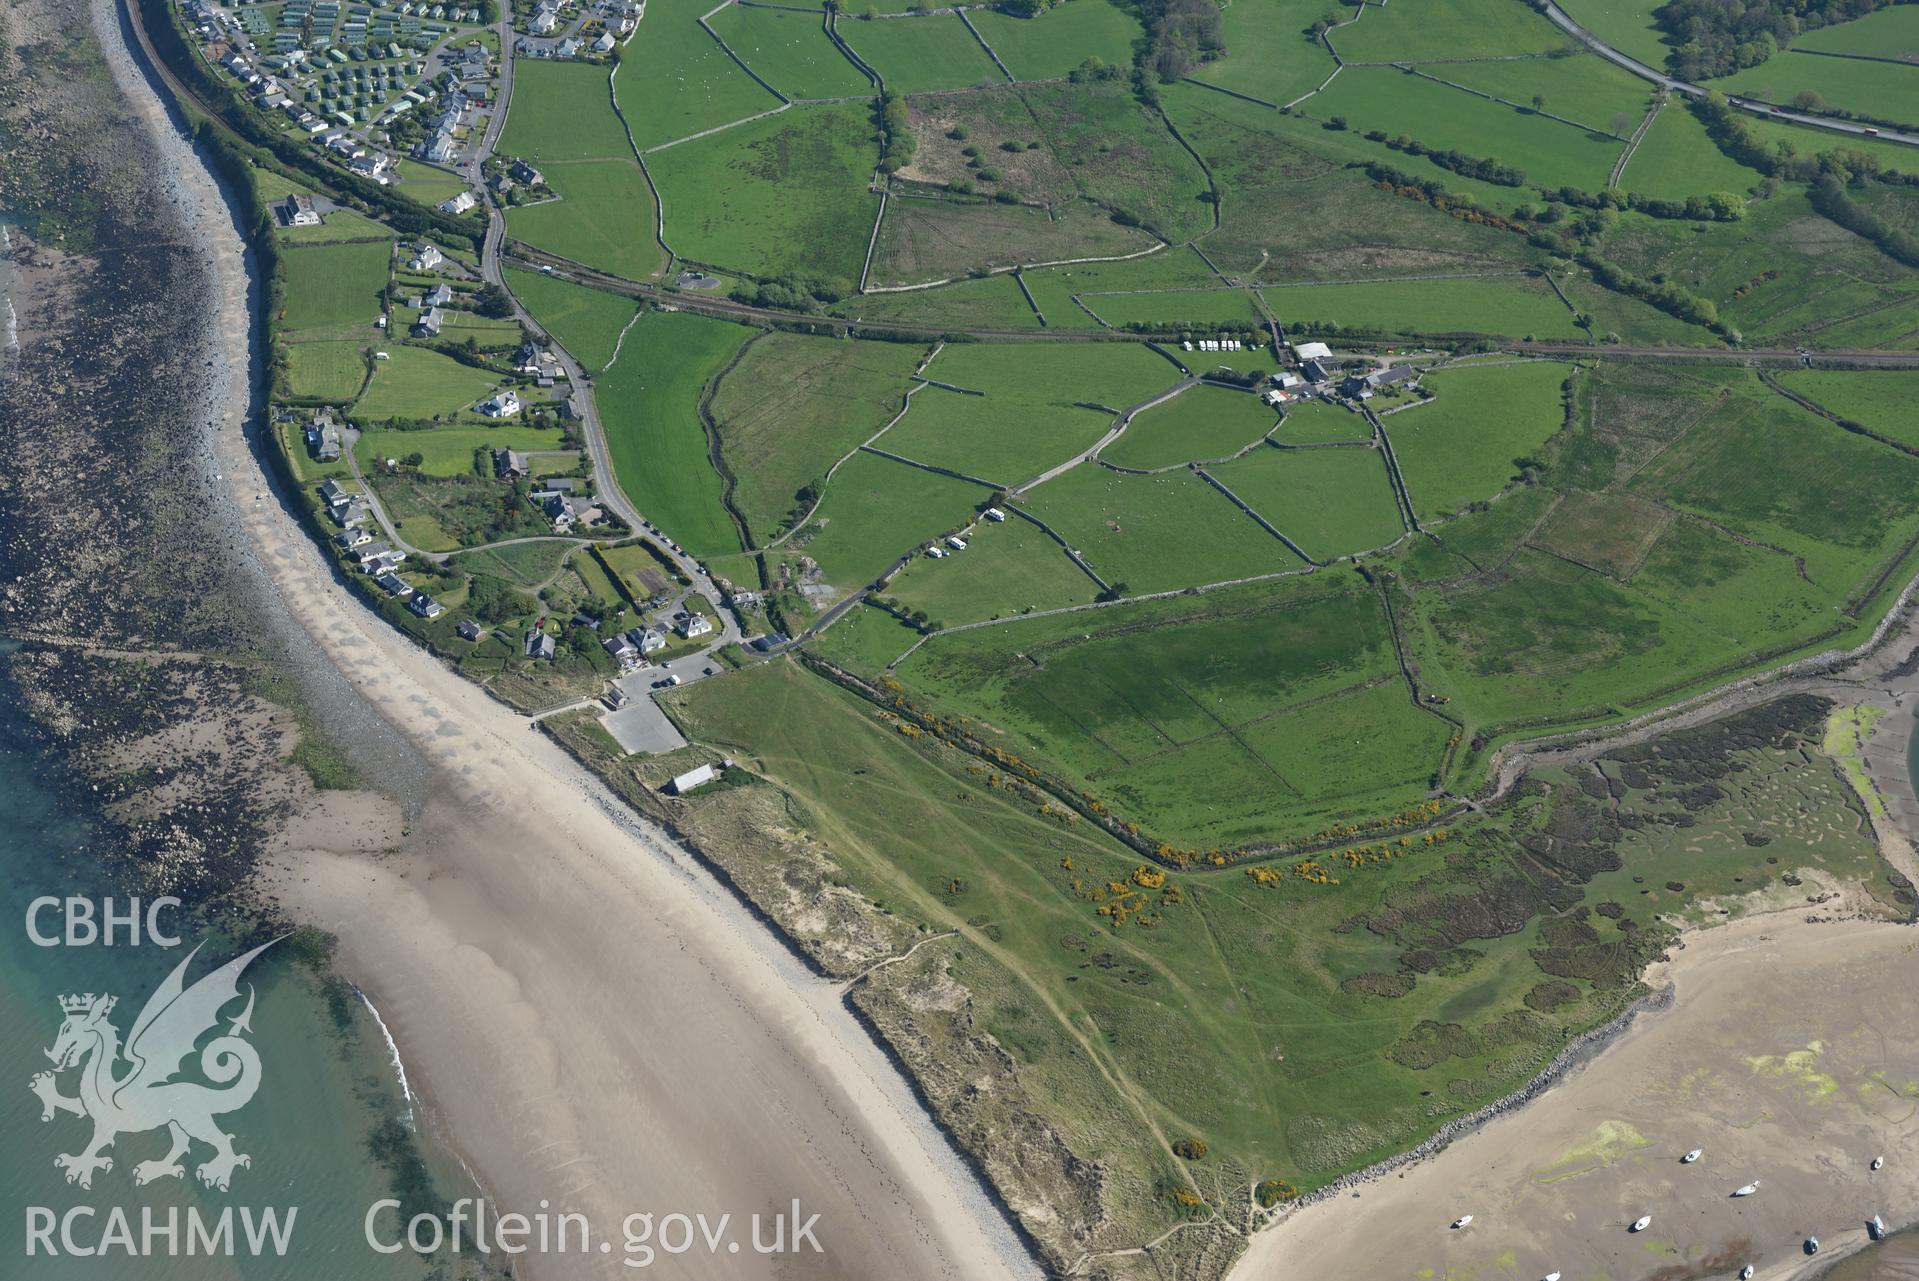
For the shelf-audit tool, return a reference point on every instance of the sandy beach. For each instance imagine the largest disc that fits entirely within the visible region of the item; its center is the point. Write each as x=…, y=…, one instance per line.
x=590, y=1020
x=1786, y=1057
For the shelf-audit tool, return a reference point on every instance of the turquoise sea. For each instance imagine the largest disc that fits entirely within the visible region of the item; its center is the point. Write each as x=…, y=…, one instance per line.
x=327, y=1081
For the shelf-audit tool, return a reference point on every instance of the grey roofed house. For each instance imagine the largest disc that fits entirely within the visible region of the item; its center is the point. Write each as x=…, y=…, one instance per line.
x=559, y=510
x=1315, y=371
x=371, y=551
x=333, y=491
x=428, y=325
x=1391, y=377
x=440, y=295
x=508, y=464
x=470, y=630
x=348, y=539
x=560, y=484
x=393, y=583
x=572, y=409
x=540, y=645
x=621, y=649
x=521, y=171
x=425, y=606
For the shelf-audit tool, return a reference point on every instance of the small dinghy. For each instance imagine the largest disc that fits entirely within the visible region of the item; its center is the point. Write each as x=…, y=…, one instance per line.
x=1876, y=1228
x=1812, y=1245
x=1692, y=1156
x=1878, y=1161
x=1745, y=1273
x=1748, y=1190
x=1462, y=1220
x=1550, y=1276
x=1641, y=1223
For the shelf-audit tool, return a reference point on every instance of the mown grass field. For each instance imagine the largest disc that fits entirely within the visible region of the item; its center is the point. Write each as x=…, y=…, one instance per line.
x=1626, y=25
x=1062, y=38
x=330, y=370
x=876, y=511
x=649, y=407
x=1676, y=159
x=791, y=51
x=1200, y=424
x=1459, y=448
x=1892, y=32
x=794, y=406
x=413, y=382
x=1006, y=570
x=674, y=80
x=335, y=287
x=1519, y=306
x=865, y=640
x=1268, y=53
x=587, y=322
x=1880, y=90
x=1332, y=502
x=605, y=217
x=1395, y=102
x=562, y=111
x=1448, y=29
x=994, y=302
x=1879, y=399
x=916, y=54
x=783, y=195
x=1314, y=423
x=1156, y=533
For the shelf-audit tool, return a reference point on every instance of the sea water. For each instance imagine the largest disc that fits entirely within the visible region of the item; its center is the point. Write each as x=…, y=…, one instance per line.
x=326, y=1080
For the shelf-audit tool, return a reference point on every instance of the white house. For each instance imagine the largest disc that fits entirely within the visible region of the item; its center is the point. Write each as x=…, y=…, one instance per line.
x=543, y=22
x=696, y=625
x=684, y=783
x=458, y=204
x=503, y=404
x=425, y=258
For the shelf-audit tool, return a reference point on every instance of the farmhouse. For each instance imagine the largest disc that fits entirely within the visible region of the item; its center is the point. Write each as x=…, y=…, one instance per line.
x=428, y=325
x=521, y=171
x=1316, y=372
x=509, y=464
x=425, y=258
x=323, y=437
x=502, y=404
x=438, y=296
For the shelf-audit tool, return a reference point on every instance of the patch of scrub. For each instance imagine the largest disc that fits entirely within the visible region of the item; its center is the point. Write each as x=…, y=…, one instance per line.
x=1610, y=1143
x=1800, y=1066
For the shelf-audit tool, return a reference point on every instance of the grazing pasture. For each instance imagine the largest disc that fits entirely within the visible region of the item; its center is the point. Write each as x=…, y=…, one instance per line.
x=1449, y=29
x=1006, y=570
x=1676, y=159
x=334, y=287
x=1201, y=424
x=327, y=370
x=1881, y=400
x=587, y=322
x=605, y=217
x=1270, y=54
x=877, y=511
x=1584, y=87
x=674, y=80
x=414, y=382
x=1332, y=502
x=926, y=239
x=1176, y=309
x=1061, y=39
x=784, y=195
x=916, y=54
x=791, y=51
x=1520, y=306
x=1004, y=440
x=562, y=111
x=1460, y=447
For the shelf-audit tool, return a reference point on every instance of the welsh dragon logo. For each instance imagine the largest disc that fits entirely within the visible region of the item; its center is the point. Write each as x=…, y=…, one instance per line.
x=131, y=1089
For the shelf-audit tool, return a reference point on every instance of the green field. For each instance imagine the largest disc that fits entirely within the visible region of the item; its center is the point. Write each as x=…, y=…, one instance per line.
x=877, y=511
x=335, y=287
x=587, y=322
x=1892, y=32
x=1003, y=440
x=1269, y=55
x=605, y=217
x=795, y=405
x=917, y=54
x=1007, y=569
x=785, y=195
x=1057, y=41
x=1876, y=90
x=1584, y=87
x=1550, y=153
x=994, y=302
x=1156, y=533
x=1522, y=306
x=429, y=185
x=674, y=80
x=1459, y=448
x=1332, y=502
x=1880, y=399
x=1676, y=159
x=1112, y=374
x=1121, y=155
x=448, y=451
x=413, y=382
x=1626, y=25
x=1183, y=309
x=1316, y=423
x=791, y=51
x=327, y=370
x=1203, y=423
x=1447, y=29
x=649, y=406
x=562, y=111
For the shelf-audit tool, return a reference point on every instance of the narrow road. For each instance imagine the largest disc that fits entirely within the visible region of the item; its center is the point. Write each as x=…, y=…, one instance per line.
x=1565, y=23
